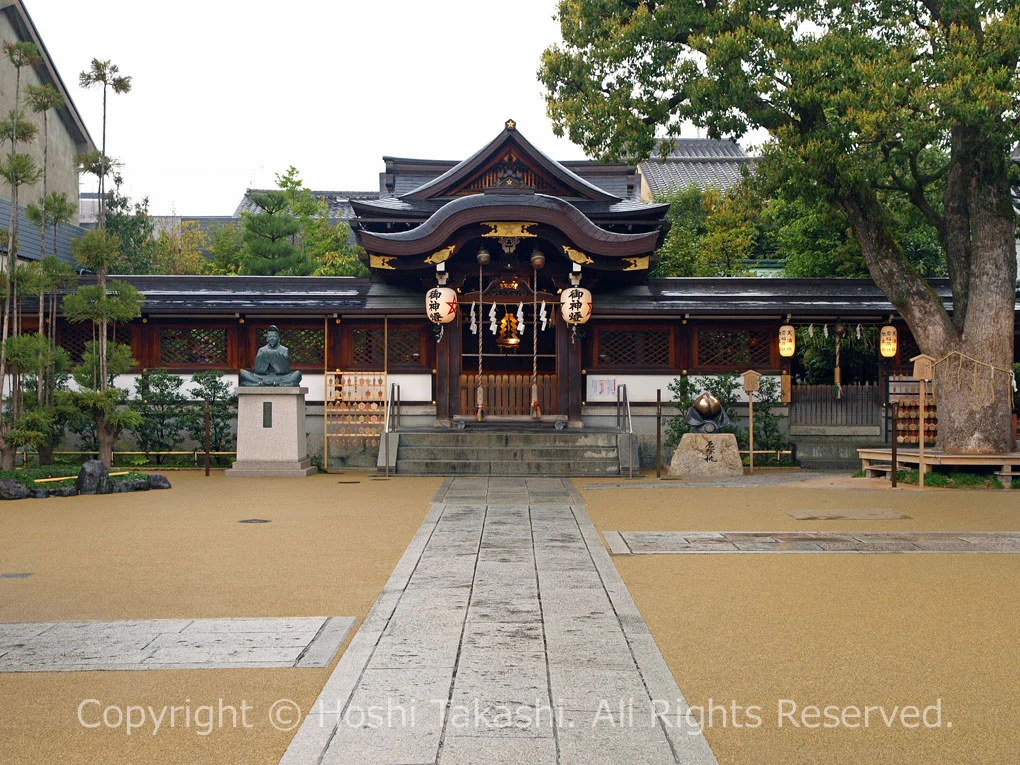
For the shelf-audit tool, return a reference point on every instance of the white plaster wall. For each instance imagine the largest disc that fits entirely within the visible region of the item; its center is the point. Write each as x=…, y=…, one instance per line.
x=641, y=388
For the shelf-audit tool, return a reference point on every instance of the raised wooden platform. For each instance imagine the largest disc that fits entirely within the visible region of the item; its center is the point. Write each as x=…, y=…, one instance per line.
x=877, y=462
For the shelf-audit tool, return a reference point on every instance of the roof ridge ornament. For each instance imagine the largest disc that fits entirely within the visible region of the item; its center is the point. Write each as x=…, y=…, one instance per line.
x=510, y=125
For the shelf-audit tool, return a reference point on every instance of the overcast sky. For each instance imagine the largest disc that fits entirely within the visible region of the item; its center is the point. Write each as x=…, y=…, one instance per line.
x=225, y=93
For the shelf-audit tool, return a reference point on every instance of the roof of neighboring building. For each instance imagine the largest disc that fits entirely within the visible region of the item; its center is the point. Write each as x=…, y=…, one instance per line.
x=338, y=201
x=20, y=19
x=30, y=239
x=702, y=162
x=805, y=299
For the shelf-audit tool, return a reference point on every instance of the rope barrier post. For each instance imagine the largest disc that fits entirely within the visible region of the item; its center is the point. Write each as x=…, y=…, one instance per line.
x=207, y=428
x=658, y=433
x=922, y=437
x=895, y=440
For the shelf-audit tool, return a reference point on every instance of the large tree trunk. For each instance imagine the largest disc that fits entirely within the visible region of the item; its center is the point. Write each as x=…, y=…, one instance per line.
x=973, y=351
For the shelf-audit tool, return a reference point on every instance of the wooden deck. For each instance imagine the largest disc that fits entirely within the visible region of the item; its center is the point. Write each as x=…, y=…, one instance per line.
x=878, y=462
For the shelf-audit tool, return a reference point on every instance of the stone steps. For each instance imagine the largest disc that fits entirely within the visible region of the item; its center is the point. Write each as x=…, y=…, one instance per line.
x=481, y=439
x=509, y=468
x=508, y=453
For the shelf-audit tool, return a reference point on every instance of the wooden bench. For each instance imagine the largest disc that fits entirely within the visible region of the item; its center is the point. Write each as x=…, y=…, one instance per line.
x=876, y=462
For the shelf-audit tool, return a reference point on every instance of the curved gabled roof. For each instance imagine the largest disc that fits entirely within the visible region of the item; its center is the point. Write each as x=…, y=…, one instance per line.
x=537, y=208
x=462, y=174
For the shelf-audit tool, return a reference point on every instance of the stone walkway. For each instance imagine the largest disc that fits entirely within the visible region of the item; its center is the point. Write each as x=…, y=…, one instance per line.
x=505, y=635
x=171, y=644
x=689, y=542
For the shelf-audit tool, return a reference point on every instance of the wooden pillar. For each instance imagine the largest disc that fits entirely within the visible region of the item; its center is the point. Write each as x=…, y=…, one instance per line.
x=448, y=365
x=568, y=372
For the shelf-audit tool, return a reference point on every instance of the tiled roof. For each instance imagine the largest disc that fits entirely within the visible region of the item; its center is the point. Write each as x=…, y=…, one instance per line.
x=29, y=235
x=702, y=162
x=338, y=201
x=278, y=295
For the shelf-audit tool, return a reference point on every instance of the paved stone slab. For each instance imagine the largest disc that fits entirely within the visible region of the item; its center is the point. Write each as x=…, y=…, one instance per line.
x=506, y=620
x=689, y=542
x=171, y=644
x=847, y=514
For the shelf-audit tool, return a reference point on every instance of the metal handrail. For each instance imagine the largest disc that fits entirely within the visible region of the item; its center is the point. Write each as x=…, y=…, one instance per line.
x=391, y=421
x=625, y=424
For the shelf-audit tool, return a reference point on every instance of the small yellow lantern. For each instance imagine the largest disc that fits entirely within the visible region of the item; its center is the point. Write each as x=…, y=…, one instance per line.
x=575, y=305
x=787, y=341
x=887, y=341
x=441, y=305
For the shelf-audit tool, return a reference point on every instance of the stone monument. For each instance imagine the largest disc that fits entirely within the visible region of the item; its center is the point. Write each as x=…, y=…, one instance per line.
x=705, y=451
x=271, y=417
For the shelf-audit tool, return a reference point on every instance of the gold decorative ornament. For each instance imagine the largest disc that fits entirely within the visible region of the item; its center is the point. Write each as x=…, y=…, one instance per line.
x=576, y=256
x=381, y=261
x=501, y=229
x=636, y=264
x=440, y=256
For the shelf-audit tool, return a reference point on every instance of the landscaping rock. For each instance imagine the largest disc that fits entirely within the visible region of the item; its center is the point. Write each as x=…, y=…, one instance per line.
x=120, y=487
x=39, y=493
x=93, y=478
x=138, y=484
x=157, y=481
x=64, y=491
x=10, y=489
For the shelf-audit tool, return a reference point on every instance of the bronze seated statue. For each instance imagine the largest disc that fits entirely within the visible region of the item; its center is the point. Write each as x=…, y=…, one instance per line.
x=272, y=364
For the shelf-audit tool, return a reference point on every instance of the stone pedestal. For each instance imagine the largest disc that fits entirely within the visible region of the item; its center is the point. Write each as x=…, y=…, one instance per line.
x=706, y=454
x=271, y=433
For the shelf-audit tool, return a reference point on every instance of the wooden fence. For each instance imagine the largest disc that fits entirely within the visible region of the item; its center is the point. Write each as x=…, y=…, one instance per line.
x=509, y=395
x=818, y=405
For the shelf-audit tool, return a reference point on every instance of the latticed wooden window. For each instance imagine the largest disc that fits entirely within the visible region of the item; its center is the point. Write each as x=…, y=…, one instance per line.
x=633, y=347
x=194, y=346
x=73, y=338
x=306, y=346
x=737, y=349
x=404, y=345
x=367, y=348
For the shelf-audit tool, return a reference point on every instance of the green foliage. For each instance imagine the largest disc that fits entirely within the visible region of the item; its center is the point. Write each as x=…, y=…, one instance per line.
x=685, y=390
x=118, y=362
x=15, y=128
x=858, y=356
x=767, y=432
x=268, y=238
x=119, y=302
x=211, y=386
x=19, y=170
x=106, y=74
x=876, y=108
x=42, y=98
x=133, y=225
x=100, y=409
x=161, y=405
x=330, y=248
x=939, y=479
x=178, y=249
x=711, y=233
x=226, y=247
x=54, y=210
x=22, y=54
